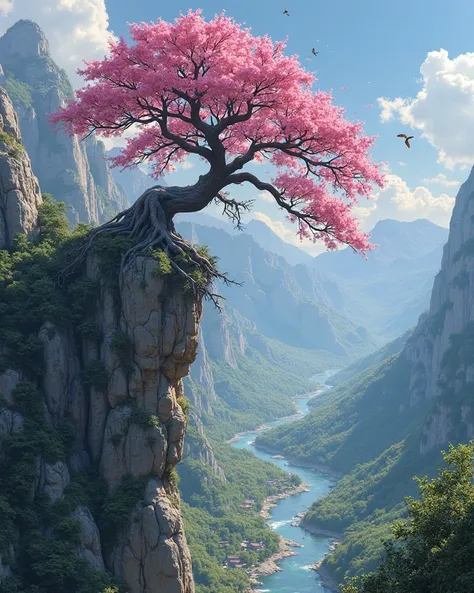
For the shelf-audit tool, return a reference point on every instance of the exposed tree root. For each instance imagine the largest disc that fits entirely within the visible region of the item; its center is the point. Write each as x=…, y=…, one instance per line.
x=146, y=224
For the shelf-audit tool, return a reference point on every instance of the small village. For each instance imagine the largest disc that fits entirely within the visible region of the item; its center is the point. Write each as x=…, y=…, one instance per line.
x=234, y=560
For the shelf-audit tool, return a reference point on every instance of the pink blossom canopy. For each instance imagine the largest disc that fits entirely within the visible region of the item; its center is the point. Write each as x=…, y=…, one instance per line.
x=214, y=90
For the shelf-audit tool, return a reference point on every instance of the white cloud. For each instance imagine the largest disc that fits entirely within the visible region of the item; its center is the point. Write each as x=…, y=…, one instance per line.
x=266, y=197
x=76, y=29
x=398, y=201
x=443, y=110
x=5, y=7
x=401, y=163
x=441, y=179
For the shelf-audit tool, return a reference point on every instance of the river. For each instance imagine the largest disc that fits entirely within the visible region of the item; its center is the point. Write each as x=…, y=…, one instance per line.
x=296, y=576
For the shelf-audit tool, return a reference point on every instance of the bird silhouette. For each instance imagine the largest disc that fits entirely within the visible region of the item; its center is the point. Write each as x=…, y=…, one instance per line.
x=286, y=12
x=407, y=138
x=315, y=53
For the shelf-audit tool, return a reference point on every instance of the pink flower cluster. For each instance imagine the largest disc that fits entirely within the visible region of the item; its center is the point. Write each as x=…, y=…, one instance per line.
x=178, y=81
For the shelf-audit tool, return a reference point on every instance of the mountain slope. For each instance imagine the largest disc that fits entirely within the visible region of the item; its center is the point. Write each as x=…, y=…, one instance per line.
x=389, y=423
x=285, y=303
x=270, y=241
x=395, y=282
x=67, y=167
x=258, y=230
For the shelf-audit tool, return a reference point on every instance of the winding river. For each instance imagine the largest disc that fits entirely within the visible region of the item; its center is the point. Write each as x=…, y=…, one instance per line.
x=296, y=576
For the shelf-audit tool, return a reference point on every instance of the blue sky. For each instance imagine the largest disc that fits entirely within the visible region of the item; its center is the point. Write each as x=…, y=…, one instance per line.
x=373, y=48
x=383, y=43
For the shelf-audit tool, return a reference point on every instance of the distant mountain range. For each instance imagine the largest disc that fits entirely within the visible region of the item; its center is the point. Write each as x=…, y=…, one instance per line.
x=260, y=232
x=385, y=293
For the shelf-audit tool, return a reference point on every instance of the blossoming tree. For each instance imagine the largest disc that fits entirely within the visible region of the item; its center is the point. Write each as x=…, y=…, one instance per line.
x=213, y=90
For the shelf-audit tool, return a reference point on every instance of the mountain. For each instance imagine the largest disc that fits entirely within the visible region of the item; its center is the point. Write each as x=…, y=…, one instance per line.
x=92, y=413
x=388, y=423
x=70, y=169
x=20, y=194
x=394, y=283
x=258, y=230
x=287, y=303
x=270, y=241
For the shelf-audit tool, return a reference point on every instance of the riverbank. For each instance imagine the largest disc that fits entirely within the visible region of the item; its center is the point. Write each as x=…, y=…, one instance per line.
x=270, y=566
x=283, y=512
x=326, y=579
x=271, y=501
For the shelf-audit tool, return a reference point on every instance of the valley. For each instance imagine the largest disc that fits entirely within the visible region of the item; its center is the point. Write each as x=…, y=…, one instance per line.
x=171, y=416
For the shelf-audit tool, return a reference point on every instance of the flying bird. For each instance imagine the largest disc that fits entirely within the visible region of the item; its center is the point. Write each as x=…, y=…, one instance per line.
x=286, y=12
x=315, y=53
x=407, y=138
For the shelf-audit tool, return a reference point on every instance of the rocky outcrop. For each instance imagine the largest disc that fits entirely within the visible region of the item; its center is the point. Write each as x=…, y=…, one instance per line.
x=129, y=424
x=133, y=427
x=70, y=169
x=441, y=349
x=20, y=194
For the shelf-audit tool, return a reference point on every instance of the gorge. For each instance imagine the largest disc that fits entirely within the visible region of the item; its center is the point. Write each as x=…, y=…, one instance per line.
x=101, y=378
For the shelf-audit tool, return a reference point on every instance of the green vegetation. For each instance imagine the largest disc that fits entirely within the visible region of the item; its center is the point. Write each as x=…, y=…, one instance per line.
x=47, y=534
x=212, y=513
x=366, y=429
x=433, y=549
x=185, y=405
x=259, y=387
x=163, y=266
x=370, y=428
x=18, y=91
x=117, y=507
x=15, y=148
x=95, y=375
x=123, y=349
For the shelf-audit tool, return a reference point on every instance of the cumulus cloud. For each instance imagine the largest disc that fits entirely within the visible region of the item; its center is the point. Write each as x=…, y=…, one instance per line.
x=441, y=179
x=5, y=7
x=76, y=29
x=398, y=201
x=443, y=110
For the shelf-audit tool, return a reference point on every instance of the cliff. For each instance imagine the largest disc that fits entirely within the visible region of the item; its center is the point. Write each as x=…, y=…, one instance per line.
x=390, y=415
x=91, y=418
x=67, y=167
x=19, y=190
x=442, y=348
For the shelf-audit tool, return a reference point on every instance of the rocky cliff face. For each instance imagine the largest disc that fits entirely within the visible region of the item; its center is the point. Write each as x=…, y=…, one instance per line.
x=119, y=387
x=442, y=348
x=68, y=168
x=19, y=190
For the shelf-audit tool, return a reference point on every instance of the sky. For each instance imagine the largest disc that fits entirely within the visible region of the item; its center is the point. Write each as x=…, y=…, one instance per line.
x=400, y=66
